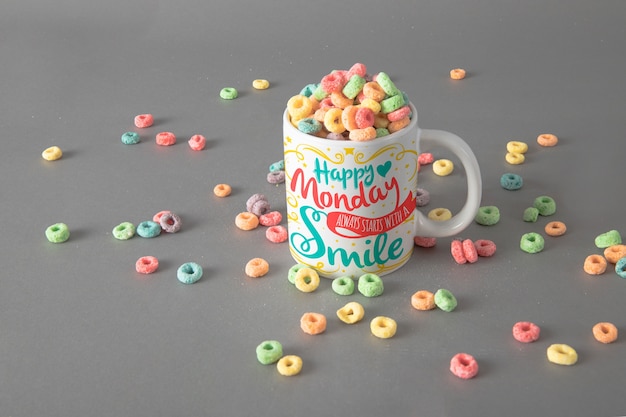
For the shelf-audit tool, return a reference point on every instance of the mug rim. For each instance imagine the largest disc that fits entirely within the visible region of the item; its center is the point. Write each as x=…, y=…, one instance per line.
x=377, y=141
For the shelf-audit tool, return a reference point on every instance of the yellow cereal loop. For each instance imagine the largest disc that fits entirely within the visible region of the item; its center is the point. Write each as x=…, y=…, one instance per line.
x=515, y=146
x=351, y=313
x=332, y=120
x=515, y=158
x=307, y=280
x=299, y=107
x=289, y=365
x=443, y=167
x=260, y=84
x=383, y=327
x=562, y=354
x=52, y=153
x=371, y=104
x=440, y=214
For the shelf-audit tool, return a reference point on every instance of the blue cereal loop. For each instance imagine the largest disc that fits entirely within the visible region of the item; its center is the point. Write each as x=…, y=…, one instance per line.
x=278, y=166
x=189, y=272
x=620, y=267
x=308, y=90
x=309, y=126
x=130, y=138
x=511, y=182
x=148, y=229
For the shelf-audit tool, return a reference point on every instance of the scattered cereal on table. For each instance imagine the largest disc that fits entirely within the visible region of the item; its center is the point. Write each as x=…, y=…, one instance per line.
x=594, y=265
x=260, y=84
x=246, y=221
x=229, y=93
x=52, y=153
x=555, y=228
x=614, y=253
x=313, y=323
x=351, y=313
x=130, y=138
x=464, y=366
x=58, y=233
x=276, y=234
x=170, y=222
x=289, y=365
x=547, y=139
x=383, y=327
x=526, y=332
x=443, y=167
x=306, y=279
x=487, y=215
x=457, y=73
x=124, y=231
x=197, y=142
x=189, y=273
x=423, y=300
x=605, y=332
x=511, y=182
x=165, y=139
x=257, y=267
x=222, y=190
x=606, y=239
x=144, y=120
x=269, y=351
x=370, y=285
x=562, y=354
x=532, y=242
x=343, y=285
x=545, y=205
x=147, y=264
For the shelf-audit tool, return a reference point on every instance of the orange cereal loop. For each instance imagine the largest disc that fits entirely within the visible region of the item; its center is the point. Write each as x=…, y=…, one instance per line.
x=547, y=139
x=362, y=135
x=222, y=190
x=374, y=91
x=319, y=114
x=615, y=253
x=457, y=73
x=313, y=323
x=555, y=228
x=423, y=300
x=605, y=332
x=348, y=117
x=246, y=221
x=594, y=265
x=398, y=124
x=257, y=267
x=381, y=121
x=339, y=100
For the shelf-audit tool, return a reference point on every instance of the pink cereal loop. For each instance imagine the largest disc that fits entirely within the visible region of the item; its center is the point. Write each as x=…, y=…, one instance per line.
x=364, y=117
x=425, y=242
x=485, y=247
x=197, y=142
x=144, y=120
x=456, y=249
x=165, y=139
x=425, y=158
x=276, y=234
x=333, y=82
x=357, y=69
x=272, y=218
x=469, y=251
x=146, y=264
x=464, y=366
x=526, y=332
x=399, y=114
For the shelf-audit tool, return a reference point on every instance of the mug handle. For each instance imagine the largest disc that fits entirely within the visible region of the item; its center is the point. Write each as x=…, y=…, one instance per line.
x=430, y=228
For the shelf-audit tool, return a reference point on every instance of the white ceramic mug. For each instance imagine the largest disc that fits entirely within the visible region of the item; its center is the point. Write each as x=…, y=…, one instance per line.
x=351, y=205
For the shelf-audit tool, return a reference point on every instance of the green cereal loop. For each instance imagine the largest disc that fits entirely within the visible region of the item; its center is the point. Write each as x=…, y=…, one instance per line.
x=531, y=242
x=381, y=131
x=488, y=215
x=391, y=103
x=269, y=351
x=531, y=214
x=309, y=125
x=189, y=272
x=58, y=233
x=291, y=275
x=148, y=229
x=130, y=138
x=343, y=285
x=620, y=268
x=545, y=205
x=354, y=86
x=370, y=285
x=445, y=300
x=386, y=84
x=228, y=93
x=319, y=94
x=610, y=238
x=124, y=231
x=308, y=90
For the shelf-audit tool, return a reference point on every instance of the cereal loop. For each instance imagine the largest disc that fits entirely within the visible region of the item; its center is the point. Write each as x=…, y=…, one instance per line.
x=425, y=242
x=511, y=182
x=189, y=273
x=197, y=142
x=313, y=323
x=374, y=91
x=464, y=366
x=545, y=204
x=130, y=138
x=124, y=231
x=228, y=93
x=146, y=264
x=383, y=327
x=351, y=313
x=170, y=222
x=363, y=135
x=620, y=268
x=443, y=167
x=299, y=107
x=555, y=228
x=514, y=158
x=222, y=190
x=333, y=120
x=260, y=84
x=485, y=247
x=398, y=124
x=343, y=286
x=547, y=139
x=457, y=73
x=614, y=253
x=440, y=214
x=515, y=146
x=165, y=139
x=289, y=365
x=307, y=280
x=52, y=153
x=423, y=300
x=246, y=221
x=276, y=234
x=487, y=215
x=144, y=120
x=606, y=239
x=269, y=351
x=257, y=267
x=526, y=332
x=469, y=251
x=370, y=285
x=445, y=300
x=605, y=332
x=57, y=233
x=594, y=265
x=562, y=354
x=456, y=250
x=532, y=242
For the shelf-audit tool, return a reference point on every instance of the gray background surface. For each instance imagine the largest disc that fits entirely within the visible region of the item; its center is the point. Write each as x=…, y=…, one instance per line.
x=82, y=334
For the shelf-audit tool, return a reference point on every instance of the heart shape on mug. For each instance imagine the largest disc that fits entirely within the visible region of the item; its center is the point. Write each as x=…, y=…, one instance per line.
x=383, y=169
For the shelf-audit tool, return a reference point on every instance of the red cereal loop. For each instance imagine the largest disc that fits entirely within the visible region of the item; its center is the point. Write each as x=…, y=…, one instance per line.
x=146, y=264
x=197, y=142
x=469, y=251
x=272, y=218
x=364, y=117
x=525, y=331
x=456, y=249
x=425, y=242
x=399, y=114
x=357, y=69
x=485, y=247
x=464, y=366
x=165, y=139
x=157, y=217
x=333, y=82
x=425, y=158
x=276, y=234
x=144, y=120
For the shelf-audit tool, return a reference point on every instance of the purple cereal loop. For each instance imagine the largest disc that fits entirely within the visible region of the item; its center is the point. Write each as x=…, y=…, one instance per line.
x=422, y=197
x=335, y=136
x=276, y=177
x=260, y=208
x=170, y=222
x=253, y=199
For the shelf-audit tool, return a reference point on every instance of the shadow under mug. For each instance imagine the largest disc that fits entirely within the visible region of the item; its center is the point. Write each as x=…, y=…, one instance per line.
x=351, y=205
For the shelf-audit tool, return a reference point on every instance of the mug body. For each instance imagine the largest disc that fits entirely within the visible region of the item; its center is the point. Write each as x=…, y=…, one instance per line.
x=351, y=205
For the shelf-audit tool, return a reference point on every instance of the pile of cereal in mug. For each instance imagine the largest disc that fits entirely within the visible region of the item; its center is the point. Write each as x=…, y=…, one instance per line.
x=350, y=105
